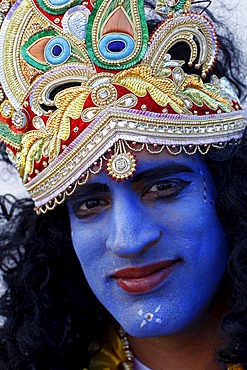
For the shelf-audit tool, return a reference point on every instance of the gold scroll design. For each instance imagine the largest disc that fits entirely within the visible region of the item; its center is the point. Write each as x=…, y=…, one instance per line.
x=47, y=139
x=139, y=80
x=164, y=91
x=186, y=28
x=13, y=75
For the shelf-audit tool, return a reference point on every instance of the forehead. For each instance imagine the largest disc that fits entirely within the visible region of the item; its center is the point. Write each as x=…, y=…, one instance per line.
x=149, y=164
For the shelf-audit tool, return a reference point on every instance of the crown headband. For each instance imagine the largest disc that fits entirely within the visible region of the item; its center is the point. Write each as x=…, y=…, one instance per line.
x=84, y=86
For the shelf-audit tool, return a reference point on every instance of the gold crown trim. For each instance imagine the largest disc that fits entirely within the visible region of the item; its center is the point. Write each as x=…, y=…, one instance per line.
x=161, y=130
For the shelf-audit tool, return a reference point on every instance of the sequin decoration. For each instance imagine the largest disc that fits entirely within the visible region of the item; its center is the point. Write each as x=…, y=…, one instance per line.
x=75, y=21
x=1, y=18
x=6, y=109
x=19, y=120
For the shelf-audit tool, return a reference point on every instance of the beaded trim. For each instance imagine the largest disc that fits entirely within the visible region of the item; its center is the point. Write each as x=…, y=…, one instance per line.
x=102, y=162
x=128, y=364
x=150, y=128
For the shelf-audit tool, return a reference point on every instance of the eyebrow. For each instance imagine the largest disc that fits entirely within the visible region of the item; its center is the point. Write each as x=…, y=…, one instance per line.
x=154, y=173
x=88, y=189
x=166, y=170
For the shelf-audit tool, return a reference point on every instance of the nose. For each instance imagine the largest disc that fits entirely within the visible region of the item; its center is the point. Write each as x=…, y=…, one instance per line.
x=132, y=230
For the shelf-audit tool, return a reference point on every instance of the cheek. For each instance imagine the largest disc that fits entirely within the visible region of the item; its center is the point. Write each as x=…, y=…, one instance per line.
x=87, y=242
x=88, y=248
x=193, y=228
x=206, y=253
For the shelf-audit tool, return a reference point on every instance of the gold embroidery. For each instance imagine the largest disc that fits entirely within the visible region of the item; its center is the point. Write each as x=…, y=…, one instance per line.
x=235, y=367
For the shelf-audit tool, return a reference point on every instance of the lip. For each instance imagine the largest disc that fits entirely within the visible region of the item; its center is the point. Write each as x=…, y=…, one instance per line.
x=143, y=279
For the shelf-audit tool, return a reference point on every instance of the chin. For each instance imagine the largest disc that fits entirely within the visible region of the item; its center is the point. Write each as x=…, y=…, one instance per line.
x=155, y=325
x=152, y=329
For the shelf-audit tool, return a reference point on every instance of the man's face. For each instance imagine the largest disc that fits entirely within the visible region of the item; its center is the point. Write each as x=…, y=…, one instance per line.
x=152, y=248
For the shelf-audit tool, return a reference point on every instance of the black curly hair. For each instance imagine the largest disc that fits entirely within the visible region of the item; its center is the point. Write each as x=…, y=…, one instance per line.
x=49, y=314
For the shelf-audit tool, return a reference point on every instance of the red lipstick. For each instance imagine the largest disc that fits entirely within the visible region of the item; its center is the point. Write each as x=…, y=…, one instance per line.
x=143, y=279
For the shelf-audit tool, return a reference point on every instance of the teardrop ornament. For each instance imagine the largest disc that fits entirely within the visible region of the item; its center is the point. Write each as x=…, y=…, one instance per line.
x=117, y=33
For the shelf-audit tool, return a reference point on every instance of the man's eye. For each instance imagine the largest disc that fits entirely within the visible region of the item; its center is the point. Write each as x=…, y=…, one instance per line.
x=92, y=203
x=89, y=207
x=161, y=187
x=165, y=189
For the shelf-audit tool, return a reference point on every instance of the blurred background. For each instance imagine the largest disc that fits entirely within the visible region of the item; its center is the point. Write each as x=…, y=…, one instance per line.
x=231, y=12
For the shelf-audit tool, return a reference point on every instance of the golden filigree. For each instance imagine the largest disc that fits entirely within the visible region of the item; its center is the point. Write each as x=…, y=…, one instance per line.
x=47, y=141
x=194, y=88
x=69, y=103
x=140, y=80
x=32, y=145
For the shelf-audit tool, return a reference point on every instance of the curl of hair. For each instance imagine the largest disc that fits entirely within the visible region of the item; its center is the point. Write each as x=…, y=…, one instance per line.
x=229, y=168
x=51, y=314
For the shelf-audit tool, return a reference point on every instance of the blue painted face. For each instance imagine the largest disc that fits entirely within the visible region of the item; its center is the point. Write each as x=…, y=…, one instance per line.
x=152, y=248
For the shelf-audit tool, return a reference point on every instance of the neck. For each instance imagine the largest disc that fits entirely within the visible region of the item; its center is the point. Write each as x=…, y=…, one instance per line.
x=192, y=349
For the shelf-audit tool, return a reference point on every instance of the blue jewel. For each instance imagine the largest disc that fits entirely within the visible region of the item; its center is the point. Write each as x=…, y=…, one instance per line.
x=57, y=51
x=116, y=46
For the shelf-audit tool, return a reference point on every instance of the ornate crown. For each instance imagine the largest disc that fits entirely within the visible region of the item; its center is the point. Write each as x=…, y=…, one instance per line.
x=84, y=86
